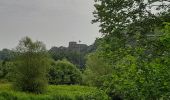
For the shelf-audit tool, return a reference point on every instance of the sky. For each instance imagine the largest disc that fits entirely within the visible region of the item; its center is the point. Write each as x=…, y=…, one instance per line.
x=55, y=22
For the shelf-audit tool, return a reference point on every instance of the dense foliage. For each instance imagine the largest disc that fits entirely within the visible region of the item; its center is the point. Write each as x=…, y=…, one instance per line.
x=136, y=47
x=97, y=70
x=32, y=63
x=7, y=70
x=64, y=72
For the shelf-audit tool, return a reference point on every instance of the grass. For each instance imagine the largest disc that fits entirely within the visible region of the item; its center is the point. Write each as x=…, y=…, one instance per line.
x=59, y=92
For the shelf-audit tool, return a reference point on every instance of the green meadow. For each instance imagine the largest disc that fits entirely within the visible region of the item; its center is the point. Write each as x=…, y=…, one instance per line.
x=58, y=92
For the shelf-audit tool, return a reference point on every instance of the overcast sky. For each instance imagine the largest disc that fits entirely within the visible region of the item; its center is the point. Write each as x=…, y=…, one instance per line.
x=55, y=22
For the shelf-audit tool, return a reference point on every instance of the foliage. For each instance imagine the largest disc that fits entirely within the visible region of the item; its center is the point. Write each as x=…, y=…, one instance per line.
x=140, y=80
x=7, y=70
x=133, y=15
x=64, y=72
x=97, y=70
x=61, y=92
x=32, y=63
x=143, y=71
x=6, y=55
x=135, y=47
x=128, y=23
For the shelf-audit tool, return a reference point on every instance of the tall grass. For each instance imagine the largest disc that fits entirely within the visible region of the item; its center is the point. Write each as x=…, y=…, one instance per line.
x=60, y=92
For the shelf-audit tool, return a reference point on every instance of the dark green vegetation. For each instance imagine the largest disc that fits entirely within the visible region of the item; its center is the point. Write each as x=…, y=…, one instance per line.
x=130, y=62
x=75, y=53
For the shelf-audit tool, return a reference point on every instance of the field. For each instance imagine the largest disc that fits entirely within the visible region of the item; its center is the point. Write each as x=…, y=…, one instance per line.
x=60, y=92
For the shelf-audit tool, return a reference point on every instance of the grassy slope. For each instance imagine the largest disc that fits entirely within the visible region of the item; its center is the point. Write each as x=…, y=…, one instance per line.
x=60, y=92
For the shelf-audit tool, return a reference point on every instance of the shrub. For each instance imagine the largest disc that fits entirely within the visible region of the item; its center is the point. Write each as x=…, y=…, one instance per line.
x=64, y=72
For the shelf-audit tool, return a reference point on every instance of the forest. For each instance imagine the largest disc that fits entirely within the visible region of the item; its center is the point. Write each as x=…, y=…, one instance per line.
x=131, y=61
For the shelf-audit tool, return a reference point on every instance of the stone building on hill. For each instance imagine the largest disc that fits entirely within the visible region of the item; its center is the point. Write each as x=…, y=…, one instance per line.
x=73, y=46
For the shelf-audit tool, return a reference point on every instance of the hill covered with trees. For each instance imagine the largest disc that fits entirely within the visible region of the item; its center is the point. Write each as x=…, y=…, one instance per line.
x=75, y=53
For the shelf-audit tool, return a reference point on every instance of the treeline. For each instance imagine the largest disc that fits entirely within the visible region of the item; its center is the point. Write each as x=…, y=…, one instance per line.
x=62, y=65
x=78, y=58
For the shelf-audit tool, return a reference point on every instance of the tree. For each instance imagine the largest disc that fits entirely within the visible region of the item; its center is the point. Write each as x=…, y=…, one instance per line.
x=132, y=14
x=127, y=23
x=64, y=72
x=134, y=47
x=32, y=63
x=144, y=75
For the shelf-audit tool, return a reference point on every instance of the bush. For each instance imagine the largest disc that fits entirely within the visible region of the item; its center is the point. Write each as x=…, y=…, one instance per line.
x=64, y=72
x=7, y=96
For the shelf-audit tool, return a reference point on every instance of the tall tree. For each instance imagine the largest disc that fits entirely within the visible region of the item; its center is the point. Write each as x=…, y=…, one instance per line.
x=123, y=14
x=133, y=45
x=129, y=22
x=32, y=63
